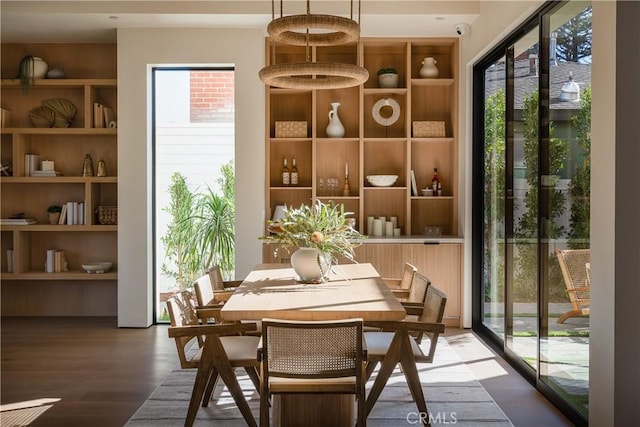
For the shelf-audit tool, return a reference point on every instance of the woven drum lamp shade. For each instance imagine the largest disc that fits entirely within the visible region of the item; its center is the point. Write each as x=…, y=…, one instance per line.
x=312, y=30
x=343, y=30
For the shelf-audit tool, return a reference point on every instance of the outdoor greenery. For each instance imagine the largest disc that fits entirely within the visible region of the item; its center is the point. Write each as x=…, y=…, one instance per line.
x=202, y=230
x=322, y=226
x=579, y=189
x=526, y=231
x=574, y=38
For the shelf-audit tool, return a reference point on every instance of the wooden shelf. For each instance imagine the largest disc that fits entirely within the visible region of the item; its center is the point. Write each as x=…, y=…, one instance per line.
x=90, y=82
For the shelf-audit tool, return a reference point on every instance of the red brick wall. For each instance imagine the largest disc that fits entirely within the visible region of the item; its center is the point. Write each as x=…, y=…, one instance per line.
x=212, y=96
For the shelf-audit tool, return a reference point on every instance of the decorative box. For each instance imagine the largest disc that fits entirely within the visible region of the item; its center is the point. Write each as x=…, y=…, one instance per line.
x=108, y=215
x=428, y=130
x=291, y=129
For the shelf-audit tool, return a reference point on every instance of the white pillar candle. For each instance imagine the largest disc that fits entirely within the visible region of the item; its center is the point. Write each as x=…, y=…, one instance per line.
x=377, y=227
x=383, y=219
x=370, y=225
x=397, y=232
x=388, y=229
x=394, y=220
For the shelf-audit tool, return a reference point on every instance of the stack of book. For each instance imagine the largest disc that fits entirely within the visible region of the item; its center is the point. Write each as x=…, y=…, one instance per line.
x=56, y=261
x=17, y=221
x=102, y=115
x=31, y=164
x=72, y=213
x=46, y=173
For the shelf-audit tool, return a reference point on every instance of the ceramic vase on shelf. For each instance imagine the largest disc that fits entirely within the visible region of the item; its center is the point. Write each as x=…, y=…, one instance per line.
x=429, y=69
x=311, y=265
x=39, y=68
x=335, y=129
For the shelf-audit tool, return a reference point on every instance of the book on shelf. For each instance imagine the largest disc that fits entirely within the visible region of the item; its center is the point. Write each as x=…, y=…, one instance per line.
x=31, y=164
x=414, y=186
x=18, y=221
x=63, y=215
x=45, y=173
x=74, y=213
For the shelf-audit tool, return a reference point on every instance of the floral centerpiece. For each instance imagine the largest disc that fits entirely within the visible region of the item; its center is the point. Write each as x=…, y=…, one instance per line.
x=320, y=233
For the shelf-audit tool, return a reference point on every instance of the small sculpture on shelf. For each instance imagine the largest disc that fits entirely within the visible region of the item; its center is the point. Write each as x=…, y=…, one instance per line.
x=388, y=77
x=87, y=166
x=102, y=168
x=54, y=213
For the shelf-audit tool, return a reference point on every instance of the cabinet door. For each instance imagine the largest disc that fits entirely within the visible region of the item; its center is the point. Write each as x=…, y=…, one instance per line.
x=441, y=263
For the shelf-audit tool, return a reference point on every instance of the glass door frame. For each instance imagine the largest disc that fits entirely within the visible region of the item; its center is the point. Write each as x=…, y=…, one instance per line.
x=504, y=49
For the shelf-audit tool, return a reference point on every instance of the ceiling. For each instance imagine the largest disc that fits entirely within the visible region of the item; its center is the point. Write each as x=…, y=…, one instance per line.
x=95, y=21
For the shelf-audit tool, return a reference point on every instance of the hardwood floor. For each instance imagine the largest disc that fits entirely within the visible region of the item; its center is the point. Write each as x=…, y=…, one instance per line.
x=102, y=373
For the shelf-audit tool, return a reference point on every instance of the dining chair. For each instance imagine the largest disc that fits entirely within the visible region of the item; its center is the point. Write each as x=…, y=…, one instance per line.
x=395, y=344
x=221, y=289
x=573, y=263
x=400, y=287
x=223, y=347
x=296, y=358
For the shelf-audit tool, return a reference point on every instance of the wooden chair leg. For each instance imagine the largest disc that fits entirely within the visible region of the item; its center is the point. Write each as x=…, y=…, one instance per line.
x=370, y=367
x=568, y=314
x=410, y=370
x=202, y=379
x=226, y=371
x=386, y=369
x=253, y=375
x=211, y=385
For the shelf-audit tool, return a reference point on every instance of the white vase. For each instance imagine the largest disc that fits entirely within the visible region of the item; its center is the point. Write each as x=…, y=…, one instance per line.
x=39, y=68
x=311, y=265
x=429, y=69
x=335, y=129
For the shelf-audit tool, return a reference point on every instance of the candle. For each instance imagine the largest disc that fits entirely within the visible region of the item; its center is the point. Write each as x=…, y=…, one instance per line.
x=346, y=169
x=388, y=228
x=377, y=227
x=370, y=225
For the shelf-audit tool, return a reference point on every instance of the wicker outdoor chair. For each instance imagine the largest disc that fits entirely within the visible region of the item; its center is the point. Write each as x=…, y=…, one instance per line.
x=574, y=264
x=296, y=359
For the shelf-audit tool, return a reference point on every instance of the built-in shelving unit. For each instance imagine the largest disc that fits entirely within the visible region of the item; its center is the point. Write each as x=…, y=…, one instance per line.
x=369, y=149
x=28, y=290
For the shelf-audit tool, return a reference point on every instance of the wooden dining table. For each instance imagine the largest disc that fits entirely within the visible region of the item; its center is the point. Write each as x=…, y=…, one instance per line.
x=352, y=291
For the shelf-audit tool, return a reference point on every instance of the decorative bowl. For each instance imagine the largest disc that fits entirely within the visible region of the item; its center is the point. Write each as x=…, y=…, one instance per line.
x=97, y=267
x=382, y=180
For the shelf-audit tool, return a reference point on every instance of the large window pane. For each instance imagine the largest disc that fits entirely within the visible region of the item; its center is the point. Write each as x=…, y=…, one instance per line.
x=564, y=350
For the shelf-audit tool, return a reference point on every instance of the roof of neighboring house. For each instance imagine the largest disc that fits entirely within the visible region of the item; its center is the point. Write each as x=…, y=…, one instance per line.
x=526, y=83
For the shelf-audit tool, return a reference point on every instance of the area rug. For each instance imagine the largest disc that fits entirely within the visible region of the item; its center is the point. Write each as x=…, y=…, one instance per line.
x=454, y=397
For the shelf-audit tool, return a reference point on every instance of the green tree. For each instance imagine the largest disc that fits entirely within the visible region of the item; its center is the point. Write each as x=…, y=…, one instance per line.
x=179, y=233
x=579, y=188
x=526, y=231
x=574, y=37
x=202, y=229
x=494, y=190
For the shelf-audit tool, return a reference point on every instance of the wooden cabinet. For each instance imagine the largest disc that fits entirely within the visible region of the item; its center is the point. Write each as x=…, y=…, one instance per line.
x=368, y=147
x=90, y=77
x=372, y=149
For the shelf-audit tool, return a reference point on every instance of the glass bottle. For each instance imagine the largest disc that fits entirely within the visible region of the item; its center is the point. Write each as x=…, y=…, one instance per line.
x=286, y=174
x=294, y=172
x=435, y=181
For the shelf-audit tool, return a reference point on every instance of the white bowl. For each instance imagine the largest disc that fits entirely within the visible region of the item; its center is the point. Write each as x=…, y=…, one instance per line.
x=97, y=267
x=382, y=180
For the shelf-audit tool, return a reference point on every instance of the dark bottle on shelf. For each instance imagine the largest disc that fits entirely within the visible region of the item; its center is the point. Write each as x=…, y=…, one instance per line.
x=435, y=181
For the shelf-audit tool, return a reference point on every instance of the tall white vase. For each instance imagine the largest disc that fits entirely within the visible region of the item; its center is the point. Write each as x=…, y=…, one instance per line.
x=335, y=129
x=311, y=265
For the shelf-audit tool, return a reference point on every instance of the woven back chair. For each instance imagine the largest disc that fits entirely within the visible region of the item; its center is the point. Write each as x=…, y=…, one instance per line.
x=397, y=344
x=182, y=312
x=211, y=289
x=312, y=357
x=400, y=287
x=573, y=263
x=221, y=350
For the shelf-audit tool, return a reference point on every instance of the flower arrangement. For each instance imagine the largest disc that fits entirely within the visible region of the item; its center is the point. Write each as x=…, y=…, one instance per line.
x=322, y=226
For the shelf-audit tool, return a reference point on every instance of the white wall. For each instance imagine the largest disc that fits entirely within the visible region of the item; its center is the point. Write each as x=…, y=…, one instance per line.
x=138, y=50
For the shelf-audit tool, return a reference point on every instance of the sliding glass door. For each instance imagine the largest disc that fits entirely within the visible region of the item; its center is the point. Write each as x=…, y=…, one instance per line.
x=531, y=211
